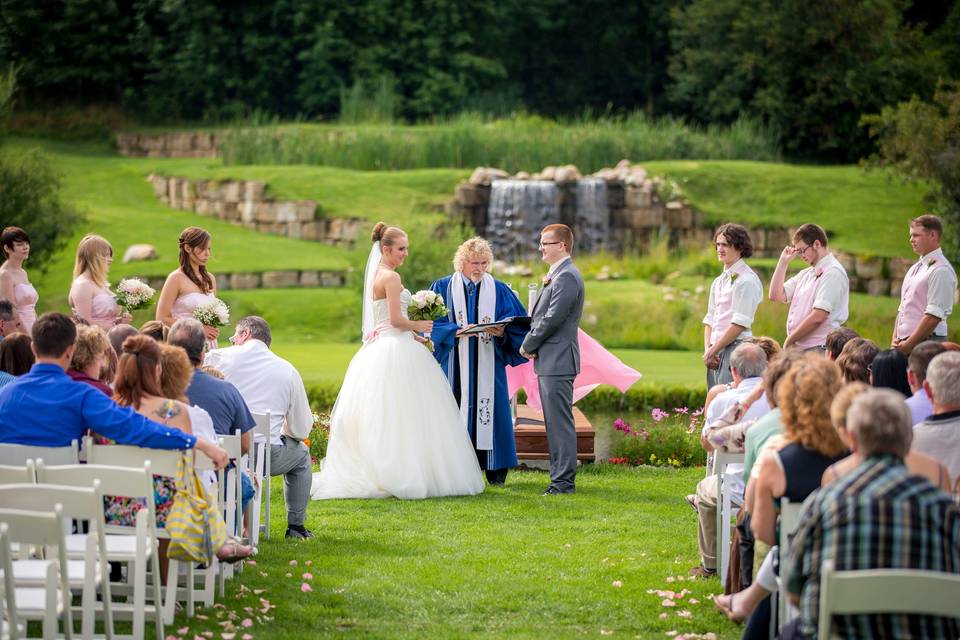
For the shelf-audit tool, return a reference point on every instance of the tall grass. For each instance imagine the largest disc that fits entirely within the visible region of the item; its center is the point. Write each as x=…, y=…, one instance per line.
x=526, y=143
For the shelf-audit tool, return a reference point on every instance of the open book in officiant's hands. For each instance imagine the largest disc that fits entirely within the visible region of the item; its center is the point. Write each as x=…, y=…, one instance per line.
x=518, y=321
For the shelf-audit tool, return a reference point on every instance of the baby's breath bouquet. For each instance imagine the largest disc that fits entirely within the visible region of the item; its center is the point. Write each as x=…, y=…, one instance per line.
x=133, y=294
x=214, y=313
x=427, y=305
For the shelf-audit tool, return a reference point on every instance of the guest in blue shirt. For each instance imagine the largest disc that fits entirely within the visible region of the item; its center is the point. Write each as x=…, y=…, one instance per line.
x=46, y=408
x=219, y=398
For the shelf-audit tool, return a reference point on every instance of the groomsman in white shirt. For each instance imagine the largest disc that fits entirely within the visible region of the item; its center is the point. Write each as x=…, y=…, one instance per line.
x=734, y=297
x=267, y=382
x=926, y=296
x=818, y=296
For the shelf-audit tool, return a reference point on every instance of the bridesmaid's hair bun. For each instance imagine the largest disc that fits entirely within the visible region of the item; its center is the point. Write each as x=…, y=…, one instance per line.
x=378, y=230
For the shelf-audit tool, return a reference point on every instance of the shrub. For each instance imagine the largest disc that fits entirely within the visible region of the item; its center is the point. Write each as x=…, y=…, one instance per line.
x=319, y=437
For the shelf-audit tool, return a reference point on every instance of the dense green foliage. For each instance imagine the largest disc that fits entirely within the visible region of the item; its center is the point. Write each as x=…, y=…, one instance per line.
x=527, y=143
x=807, y=69
x=921, y=141
x=30, y=192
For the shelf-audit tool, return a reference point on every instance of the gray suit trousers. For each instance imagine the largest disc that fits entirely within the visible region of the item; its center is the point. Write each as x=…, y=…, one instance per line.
x=292, y=461
x=556, y=395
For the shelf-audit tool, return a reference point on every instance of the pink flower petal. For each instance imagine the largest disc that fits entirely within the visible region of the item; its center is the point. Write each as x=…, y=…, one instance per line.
x=293, y=563
x=308, y=576
x=257, y=592
x=228, y=636
x=684, y=614
x=670, y=578
x=306, y=588
x=693, y=601
x=246, y=623
x=182, y=630
x=667, y=602
x=289, y=575
x=172, y=638
x=308, y=563
x=247, y=636
x=263, y=573
x=664, y=616
x=617, y=583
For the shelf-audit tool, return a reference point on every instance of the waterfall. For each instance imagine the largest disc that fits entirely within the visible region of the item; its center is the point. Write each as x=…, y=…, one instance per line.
x=519, y=209
x=593, y=215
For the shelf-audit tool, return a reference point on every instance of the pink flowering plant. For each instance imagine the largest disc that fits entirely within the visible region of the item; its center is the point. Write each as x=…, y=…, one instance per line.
x=667, y=438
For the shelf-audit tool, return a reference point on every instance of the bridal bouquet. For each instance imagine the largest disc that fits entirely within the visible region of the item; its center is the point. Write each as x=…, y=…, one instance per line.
x=133, y=294
x=426, y=305
x=214, y=313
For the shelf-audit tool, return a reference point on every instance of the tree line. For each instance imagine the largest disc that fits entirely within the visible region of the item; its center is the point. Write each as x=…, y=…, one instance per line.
x=808, y=69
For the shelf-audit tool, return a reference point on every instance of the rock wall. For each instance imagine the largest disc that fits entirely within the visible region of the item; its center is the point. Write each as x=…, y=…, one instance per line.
x=244, y=202
x=268, y=280
x=168, y=145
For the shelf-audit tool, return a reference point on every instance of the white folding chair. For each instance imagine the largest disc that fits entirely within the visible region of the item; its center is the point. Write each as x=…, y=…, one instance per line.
x=49, y=603
x=10, y=474
x=162, y=463
x=726, y=510
x=230, y=497
x=789, y=521
x=260, y=469
x=885, y=591
x=18, y=454
x=88, y=575
x=135, y=546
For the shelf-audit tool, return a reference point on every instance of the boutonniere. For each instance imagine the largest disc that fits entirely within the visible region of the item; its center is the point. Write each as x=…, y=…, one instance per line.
x=931, y=262
x=546, y=279
x=733, y=277
x=817, y=273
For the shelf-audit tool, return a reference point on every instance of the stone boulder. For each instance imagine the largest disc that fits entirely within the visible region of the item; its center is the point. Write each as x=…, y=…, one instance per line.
x=139, y=252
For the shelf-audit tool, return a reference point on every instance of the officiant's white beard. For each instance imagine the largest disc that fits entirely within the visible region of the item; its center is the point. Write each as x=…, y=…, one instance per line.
x=475, y=280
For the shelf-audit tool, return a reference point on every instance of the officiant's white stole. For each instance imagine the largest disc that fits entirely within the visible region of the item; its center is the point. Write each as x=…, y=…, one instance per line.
x=486, y=356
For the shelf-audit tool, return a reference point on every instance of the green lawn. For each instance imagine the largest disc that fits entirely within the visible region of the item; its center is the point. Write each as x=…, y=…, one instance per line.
x=862, y=212
x=506, y=564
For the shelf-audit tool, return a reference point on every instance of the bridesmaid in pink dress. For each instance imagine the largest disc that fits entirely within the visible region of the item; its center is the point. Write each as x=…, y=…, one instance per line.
x=90, y=296
x=191, y=284
x=14, y=284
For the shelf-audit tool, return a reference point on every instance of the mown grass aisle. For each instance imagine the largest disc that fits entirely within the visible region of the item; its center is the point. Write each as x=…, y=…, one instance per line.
x=509, y=563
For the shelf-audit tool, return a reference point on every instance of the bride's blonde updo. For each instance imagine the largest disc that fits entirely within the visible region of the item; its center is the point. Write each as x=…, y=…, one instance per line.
x=386, y=235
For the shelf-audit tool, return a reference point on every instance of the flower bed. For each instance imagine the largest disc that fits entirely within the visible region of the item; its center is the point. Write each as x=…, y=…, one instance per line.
x=665, y=439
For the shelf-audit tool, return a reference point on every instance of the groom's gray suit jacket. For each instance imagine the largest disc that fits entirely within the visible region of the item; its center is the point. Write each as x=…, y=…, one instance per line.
x=555, y=320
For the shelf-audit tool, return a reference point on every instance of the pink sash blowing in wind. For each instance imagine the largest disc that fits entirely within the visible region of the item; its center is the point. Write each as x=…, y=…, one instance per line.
x=597, y=366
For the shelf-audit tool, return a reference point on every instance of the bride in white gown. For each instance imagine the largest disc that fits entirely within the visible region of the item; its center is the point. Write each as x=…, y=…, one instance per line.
x=396, y=429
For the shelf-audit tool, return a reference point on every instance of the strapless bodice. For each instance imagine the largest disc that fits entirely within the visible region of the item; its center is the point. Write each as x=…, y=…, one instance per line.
x=184, y=305
x=25, y=300
x=381, y=310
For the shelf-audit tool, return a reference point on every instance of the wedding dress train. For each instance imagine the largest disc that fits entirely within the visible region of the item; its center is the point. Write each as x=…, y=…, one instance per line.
x=396, y=429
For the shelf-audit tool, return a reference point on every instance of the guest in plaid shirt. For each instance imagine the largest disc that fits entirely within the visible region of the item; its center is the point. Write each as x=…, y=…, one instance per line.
x=877, y=517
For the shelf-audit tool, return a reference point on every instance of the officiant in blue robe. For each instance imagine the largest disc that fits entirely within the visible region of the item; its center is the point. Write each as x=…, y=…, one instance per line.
x=476, y=365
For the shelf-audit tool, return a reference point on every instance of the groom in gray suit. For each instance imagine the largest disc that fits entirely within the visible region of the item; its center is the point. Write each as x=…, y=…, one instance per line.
x=553, y=346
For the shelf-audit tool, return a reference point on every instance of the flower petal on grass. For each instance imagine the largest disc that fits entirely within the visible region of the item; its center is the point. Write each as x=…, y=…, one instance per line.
x=288, y=575
x=246, y=623
x=263, y=573
x=228, y=636
x=617, y=583
x=308, y=562
x=252, y=563
x=667, y=602
x=684, y=614
x=670, y=578
x=308, y=576
x=664, y=616
x=306, y=588
x=182, y=630
x=293, y=563
x=693, y=601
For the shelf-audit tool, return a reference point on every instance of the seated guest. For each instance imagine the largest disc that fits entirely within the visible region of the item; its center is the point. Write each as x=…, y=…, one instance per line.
x=176, y=372
x=878, y=516
x=889, y=371
x=155, y=329
x=9, y=320
x=270, y=383
x=45, y=408
x=855, y=359
x=16, y=354
x=747, y=364
x=938, y=435
x=770, y=346
x=919, y=402
x=90, y=356
x=917, y=463
x=138, y=386
x=836, y=340
x=794, y=472
x=210, y=391
x=120, y=333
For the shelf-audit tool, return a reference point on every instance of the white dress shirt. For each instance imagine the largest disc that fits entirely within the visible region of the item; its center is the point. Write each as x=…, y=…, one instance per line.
x=267, y=382
x=720, y=404
x=745, y=296
x=833, y=290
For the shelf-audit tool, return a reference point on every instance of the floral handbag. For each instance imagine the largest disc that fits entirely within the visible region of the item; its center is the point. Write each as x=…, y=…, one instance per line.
x=195, y=526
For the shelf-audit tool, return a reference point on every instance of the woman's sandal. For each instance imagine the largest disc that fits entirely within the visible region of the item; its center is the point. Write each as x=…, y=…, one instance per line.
x=234, y=552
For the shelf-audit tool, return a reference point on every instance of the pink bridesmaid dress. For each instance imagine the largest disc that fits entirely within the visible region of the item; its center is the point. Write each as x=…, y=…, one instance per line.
x=105, y=311
x=184, y=305
x=25, y=300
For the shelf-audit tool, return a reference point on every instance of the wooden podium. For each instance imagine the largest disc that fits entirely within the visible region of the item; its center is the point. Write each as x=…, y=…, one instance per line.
x=530, y=435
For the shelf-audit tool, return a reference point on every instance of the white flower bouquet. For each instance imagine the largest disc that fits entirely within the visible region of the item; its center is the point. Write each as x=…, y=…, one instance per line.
x=426, y=305
x=214, y=313
x=133, y=294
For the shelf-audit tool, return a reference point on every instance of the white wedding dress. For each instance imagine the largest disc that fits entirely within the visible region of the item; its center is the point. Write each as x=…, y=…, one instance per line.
x=396, y=428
